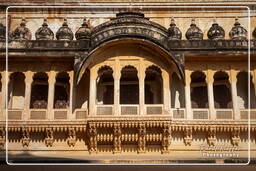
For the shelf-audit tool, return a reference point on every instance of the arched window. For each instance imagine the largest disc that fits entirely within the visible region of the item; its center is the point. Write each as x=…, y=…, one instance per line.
x=242, y=91
x=61, y=91
x=177, y=92
x=39, y=92
x=129, y=86
x=198, y=85
x=222, y=91
x=153, y=85
x=105, y=86
x=16, y=91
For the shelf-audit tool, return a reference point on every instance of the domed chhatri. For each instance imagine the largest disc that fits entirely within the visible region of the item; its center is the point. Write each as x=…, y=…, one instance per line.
x=216, y=32
x=194, y=33
x=64, y=32
x=2, y=31
x=44, y=32
x=21, y=32
x=174, y=32
x=238, y=32
x=84, y=32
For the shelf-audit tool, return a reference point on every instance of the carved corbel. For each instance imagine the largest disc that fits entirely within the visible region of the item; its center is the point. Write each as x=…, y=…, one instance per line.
x=25, y=140
x=71, y=137
x=142, y=138
x=235, y=137
x=49, y=137
x=2, y=138
x=166, y=138
x=92, y=138
x=117, y=138
x=211, y=139
x=188, y=136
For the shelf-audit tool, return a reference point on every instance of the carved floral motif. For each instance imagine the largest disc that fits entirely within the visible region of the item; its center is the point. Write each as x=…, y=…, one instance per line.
x=71, y=137
x=49, y=137
x=188, y=136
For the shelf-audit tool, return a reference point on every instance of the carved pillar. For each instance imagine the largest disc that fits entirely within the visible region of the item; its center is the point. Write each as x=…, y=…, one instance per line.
x=49, y=137
x=254, y=81
x=2, y=137
x=188, y=136
x=233, y=81
x=141, y=77
x=92, y=138
x=51, y=86
x=187, y=94
x=235, y=136
x=117, y=138
x=166, y=92
x=28, y=83
x=211, y=139
x=71, y=95
x=3, y=96
x=142, y=138
x=210, y=81
x=25, y=140
x=117, y=76
x=93, y=89
x=166, y=138
x=71, y=137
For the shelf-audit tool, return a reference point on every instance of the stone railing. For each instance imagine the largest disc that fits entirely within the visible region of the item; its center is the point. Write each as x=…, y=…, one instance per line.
x=244, y=113
x=15, y=114
x=81, y=113
x=200, y=113
x=224, y=113
x=60, y=114
x=104, y=109
x=179, y=113
x=38, y=114
x=154, y=109
x=129, y=109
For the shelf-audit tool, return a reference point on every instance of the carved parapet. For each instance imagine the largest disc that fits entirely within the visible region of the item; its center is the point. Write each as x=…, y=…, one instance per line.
x=2, y=138
x=166, y=138
x=188, y=136
x=142, y=138
x=92, y=134
x=235, y=137
x=49, y=137
x=211, y=139
x=117, y=138
x=71, y=137
x=25, y=140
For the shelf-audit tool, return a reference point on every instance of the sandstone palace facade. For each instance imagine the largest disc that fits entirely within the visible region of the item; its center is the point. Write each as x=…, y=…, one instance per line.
x=126, y=82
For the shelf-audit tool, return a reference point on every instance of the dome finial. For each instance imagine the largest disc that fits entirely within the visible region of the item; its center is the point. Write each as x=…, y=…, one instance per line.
x=174, y=32
x=44, y=32
x=193, y=21
x=45, y=22
x=65, y=23
x=23, y=21
x=238, y=32
x=64, y=32
x=237, y=21
x=214, y=20
x=84, y=32
x=194, y=32
x=215, y=32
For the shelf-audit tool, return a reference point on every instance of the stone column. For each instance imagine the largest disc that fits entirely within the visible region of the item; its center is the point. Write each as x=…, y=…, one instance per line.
x=71, y=95
x=210, y=81
x=117, y=76
x=51, y=86
x=166, y=92
x=93, y=89
x=3, y=96
x=141, y=76
x=233, y=81
x=187, y=95
x=28, y=83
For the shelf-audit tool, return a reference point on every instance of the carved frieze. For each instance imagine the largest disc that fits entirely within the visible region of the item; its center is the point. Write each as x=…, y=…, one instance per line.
x=49, y=137
x=235, y=137
x=188, y=136
x=166, y=138
x=142, y=138
x=25, y=140
x=117, y=138
x=2, y=137
x=92, y=134
x=211, y=139
x=71, y=137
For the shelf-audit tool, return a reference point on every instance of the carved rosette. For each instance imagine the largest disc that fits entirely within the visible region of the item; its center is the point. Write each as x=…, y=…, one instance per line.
x=235, y=137
x=64, y=32
x=117, y=138
x=174, y=32
x=49, y=137
x=21, y=32
x=71, y=137
x=84, y=32
x=44, y=32
x=92, y=138
x=211, y=139
x=194, y=32
x=216, y=32
x=238, y=32
x=166, y=138
x=142, y=138
x=2, y=31
x=188, y=136
x=2, y=138
x=25, y=140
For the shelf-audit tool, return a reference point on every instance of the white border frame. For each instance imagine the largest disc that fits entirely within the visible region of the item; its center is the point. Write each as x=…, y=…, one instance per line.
x=132, y=6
